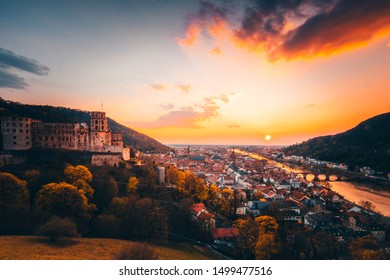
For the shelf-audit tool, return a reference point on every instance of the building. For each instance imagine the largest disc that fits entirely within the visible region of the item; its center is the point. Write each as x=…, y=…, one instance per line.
x=161, y=174
x=16, y=133
x=21, y=133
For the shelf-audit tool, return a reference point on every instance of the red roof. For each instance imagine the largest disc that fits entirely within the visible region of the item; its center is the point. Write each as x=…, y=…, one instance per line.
x=198, y=207
x=224, y=233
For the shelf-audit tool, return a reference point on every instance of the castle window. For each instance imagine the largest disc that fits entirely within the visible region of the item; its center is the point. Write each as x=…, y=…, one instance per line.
x=14, y=130
x=20, y=130
x=40, y=138
x=20, y=124
x=46, y=139
x=26, y=130
x=26, y=124
x=52, y=138
x=102, y=127
x=27, y=137
x=96, y=127
x=14, y=143
x=102, y=122
x=27, y=143
x=7, y=130
x=14, y=137
x=96, y=121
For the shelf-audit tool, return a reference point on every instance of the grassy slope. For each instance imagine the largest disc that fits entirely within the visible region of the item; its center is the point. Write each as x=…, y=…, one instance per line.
x=39, y=248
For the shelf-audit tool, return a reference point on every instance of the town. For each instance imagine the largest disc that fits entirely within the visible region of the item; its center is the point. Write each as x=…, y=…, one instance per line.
x=237, y=202
x=262, y=187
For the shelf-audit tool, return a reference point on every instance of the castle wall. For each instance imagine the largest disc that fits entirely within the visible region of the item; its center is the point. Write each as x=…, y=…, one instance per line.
x=16, y=133
x=19, y=133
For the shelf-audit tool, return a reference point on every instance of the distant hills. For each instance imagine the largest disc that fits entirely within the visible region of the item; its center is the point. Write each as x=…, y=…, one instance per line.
x=53, y=114
x=367, y=144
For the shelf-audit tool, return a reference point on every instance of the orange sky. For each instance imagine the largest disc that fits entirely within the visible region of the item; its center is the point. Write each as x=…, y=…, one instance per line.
x=203, y=73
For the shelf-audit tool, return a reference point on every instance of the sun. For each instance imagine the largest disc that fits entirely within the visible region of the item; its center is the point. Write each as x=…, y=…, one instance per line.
x=268, y=137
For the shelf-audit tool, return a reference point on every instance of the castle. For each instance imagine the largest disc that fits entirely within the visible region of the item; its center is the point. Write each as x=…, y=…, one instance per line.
x=23, y=133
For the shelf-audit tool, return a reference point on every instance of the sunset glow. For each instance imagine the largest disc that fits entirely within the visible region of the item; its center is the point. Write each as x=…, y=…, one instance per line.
x=197, y=72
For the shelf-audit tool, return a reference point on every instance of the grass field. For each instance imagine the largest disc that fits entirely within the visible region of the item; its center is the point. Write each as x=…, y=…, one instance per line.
x=40, y=248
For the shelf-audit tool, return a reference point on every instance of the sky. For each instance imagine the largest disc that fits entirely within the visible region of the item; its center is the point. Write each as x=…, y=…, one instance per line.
x=250, y=72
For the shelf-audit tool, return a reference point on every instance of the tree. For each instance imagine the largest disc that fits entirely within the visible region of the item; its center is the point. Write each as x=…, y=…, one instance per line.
x=81, y=177
x=367, y=248
x=141, y=219
x=132, y=185
x=201, y=190
x=248, y=231
x=58, y=227
x=14, y=204
x=105, y=189
x=63, y=200
x=138, y=251
x=267, y=243
x=175, y=176
x=367, y=205
x=108, y=226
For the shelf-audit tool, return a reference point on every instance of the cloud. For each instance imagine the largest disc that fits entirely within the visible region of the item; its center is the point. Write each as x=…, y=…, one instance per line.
x=10, y=62
x=185, y=118
x=158, y=86
x=168, y=106
x=11, y=80
x=208, y=21
x=234, y=126
x=191, y=37
x=388, y=45
x=185, y=88
x=188, y=117
x=291, y=29
x=216, y=51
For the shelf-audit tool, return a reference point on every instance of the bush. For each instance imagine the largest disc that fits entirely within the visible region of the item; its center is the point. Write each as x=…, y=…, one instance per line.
x=138, y=251
x=58, y=227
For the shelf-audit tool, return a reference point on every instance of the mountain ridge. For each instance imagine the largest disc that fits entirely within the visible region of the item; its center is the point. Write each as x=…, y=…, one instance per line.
x=366, y=144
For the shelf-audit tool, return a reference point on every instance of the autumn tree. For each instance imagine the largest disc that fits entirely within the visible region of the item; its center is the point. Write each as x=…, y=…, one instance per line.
x=62, y=200
x=248, y=231
x=175, y=176
x=257, y=238
x=81, y=177
x=267, y=244
x=14, y=204
x=367, y=248
x=132, y=185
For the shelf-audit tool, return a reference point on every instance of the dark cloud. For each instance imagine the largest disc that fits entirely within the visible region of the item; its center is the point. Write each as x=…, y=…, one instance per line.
x=208, y=11
x=349, y=22
x=289, y=29
x=11, y=80
x=10, y=62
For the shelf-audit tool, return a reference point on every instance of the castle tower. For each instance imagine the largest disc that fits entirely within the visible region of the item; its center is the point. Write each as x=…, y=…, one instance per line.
x=99, y=122
x=100, y=134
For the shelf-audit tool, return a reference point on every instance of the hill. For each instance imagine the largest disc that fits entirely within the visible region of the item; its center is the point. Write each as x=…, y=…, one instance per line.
x=53, y=114
x=367, y=144
x=39, y=248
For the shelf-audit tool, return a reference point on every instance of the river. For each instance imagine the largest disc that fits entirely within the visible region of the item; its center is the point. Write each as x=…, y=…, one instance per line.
x=356, y=192
x=351, y=191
